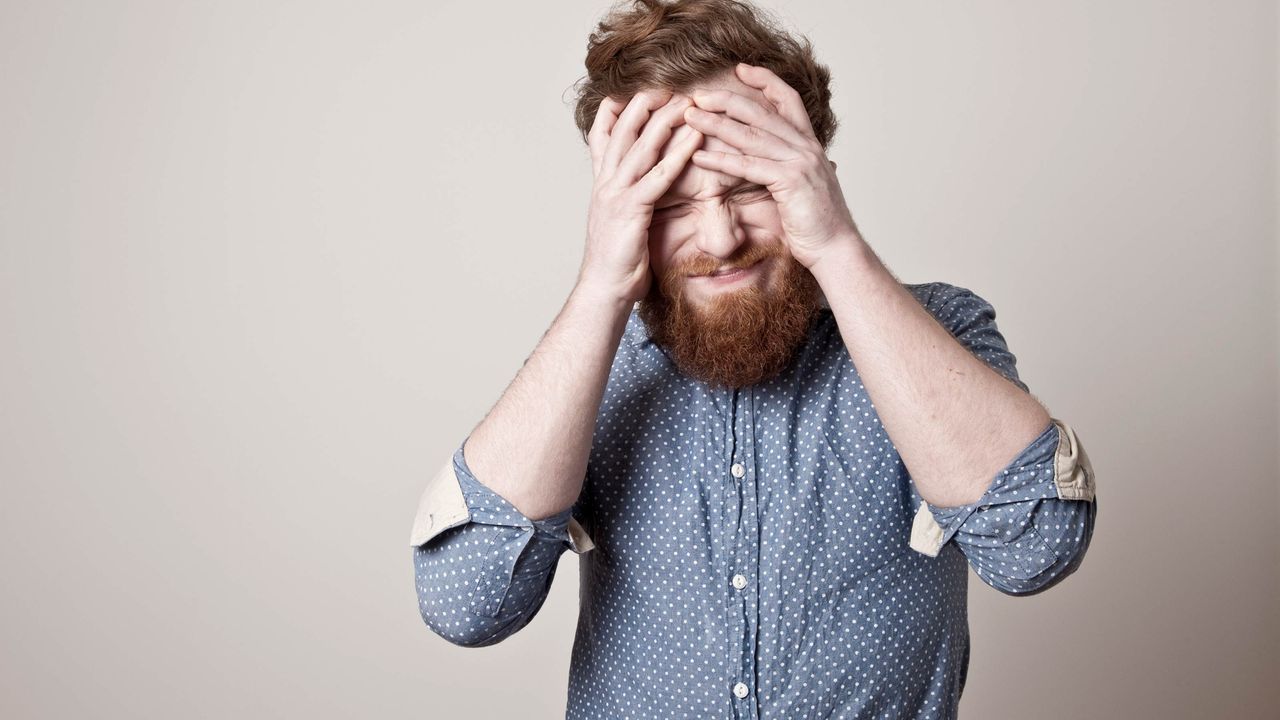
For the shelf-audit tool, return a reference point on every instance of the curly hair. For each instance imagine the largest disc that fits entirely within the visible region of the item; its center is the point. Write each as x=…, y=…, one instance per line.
x=677, y=45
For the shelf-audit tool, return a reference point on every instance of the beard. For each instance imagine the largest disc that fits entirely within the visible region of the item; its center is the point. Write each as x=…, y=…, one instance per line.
x=739, y=337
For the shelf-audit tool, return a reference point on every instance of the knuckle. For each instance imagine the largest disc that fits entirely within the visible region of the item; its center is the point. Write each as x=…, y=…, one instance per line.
x=603, y=111
x=649, y=97
x=714, y=96
x=668, y=113
x=606, y=191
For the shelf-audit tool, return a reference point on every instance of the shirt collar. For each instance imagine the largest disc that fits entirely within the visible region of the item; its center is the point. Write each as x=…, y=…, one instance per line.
x=636, y=331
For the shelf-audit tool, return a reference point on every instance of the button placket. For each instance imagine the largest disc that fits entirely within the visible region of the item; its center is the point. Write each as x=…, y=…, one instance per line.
x=745, y=556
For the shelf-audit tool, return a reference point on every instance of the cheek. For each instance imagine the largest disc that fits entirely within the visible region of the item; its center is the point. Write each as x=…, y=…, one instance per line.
x=663, y=244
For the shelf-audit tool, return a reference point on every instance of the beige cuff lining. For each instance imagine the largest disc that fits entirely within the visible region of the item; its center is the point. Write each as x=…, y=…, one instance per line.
x=1072, y=471
x=1072, y=476
x=443, y=506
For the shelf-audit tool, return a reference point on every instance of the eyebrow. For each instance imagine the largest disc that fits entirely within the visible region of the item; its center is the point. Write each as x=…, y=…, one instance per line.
x=742, y=189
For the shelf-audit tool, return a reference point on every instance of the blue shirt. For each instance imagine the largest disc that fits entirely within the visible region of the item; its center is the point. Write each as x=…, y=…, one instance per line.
x=758, y=552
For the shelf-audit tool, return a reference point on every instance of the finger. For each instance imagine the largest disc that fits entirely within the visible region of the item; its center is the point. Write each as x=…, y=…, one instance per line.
x=747, y=138
x=749, y=167
x=658, y=180
x=746, y=110
x=644, y=153
x=624, y=132
x=783, y=96
x=598, y=135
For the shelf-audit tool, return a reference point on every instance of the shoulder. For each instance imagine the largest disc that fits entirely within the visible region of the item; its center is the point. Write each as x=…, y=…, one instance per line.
x=954, y=306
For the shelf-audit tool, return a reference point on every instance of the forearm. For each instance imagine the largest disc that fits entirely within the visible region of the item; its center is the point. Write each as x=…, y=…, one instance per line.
x=953, y=419
x=533, y=445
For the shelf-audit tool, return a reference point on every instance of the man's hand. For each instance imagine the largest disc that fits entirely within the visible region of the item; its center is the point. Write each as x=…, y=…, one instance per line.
x=631, y=172
x=780, y=152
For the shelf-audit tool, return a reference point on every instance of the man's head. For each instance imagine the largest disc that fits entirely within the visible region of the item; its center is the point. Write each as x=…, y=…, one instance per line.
x=737, y=330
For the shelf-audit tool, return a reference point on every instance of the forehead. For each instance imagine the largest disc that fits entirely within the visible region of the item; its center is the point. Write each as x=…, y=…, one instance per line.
x=694, y=182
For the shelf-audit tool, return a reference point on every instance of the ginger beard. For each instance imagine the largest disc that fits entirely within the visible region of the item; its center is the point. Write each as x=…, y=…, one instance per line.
x=740, y=336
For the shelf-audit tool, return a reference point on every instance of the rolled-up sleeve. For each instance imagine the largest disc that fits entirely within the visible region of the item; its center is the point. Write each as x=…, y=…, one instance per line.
x=482, y=568
x=1032, y=526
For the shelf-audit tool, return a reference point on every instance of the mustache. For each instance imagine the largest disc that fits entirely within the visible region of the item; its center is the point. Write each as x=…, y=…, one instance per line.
x=707, y=265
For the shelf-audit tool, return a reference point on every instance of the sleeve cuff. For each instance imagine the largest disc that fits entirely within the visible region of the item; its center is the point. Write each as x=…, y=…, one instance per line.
x=455, y=497
x=1054, y=465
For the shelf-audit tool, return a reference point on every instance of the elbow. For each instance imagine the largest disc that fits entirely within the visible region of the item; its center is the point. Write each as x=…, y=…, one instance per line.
x=1061, y=559
x=444, y=603
x=462, y=632
x=465, y=614
x=1032, y=586
x=446, y=610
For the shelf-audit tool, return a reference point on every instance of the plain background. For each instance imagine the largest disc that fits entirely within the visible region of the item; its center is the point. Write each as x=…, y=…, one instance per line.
x=264, y=265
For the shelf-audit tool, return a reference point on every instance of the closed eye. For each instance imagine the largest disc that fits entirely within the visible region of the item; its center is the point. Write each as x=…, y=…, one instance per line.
x=752, y=193
x=670, y=211
x=742, y=195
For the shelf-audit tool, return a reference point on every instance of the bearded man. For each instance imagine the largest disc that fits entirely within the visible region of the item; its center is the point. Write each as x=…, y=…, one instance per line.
x=775, y=462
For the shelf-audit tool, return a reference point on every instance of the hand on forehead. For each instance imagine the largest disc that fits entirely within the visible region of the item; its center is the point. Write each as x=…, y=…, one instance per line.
x=696, y=181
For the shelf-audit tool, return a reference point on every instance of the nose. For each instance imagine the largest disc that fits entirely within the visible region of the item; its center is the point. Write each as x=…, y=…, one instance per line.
x=719, y=234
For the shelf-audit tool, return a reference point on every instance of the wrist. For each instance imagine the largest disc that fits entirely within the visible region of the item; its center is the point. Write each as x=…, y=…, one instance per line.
x=846, y=253
x=599, y=295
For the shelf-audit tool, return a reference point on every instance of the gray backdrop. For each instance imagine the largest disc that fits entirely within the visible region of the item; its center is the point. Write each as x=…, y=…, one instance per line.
x=265, y=264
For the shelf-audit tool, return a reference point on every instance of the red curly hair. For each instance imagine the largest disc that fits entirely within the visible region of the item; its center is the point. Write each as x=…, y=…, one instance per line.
x=677, y=45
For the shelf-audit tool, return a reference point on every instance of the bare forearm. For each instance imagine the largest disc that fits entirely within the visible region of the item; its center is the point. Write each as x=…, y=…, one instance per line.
x=533, y=445
x=954, y=420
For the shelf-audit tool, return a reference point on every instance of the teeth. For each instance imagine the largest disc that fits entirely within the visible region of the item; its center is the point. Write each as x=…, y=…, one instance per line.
x=729, y=271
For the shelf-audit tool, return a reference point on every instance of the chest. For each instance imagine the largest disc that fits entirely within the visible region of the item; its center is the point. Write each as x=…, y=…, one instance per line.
x=684, y=481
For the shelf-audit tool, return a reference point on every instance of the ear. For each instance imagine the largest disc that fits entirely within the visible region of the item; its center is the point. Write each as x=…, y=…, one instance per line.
x=833, y=164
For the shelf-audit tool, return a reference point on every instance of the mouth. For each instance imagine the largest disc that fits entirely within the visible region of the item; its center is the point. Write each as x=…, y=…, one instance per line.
x=729, y=275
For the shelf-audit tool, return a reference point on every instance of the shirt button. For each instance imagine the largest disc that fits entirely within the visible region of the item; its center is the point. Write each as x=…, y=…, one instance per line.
x=737, y=470
x=740, y=690
x=739, y=581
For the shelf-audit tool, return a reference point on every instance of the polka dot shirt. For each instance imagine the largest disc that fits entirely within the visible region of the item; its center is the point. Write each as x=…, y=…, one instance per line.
x=752, y=554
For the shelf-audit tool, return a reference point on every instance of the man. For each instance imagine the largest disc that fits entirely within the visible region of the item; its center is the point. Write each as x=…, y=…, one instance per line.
x=774, y=461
